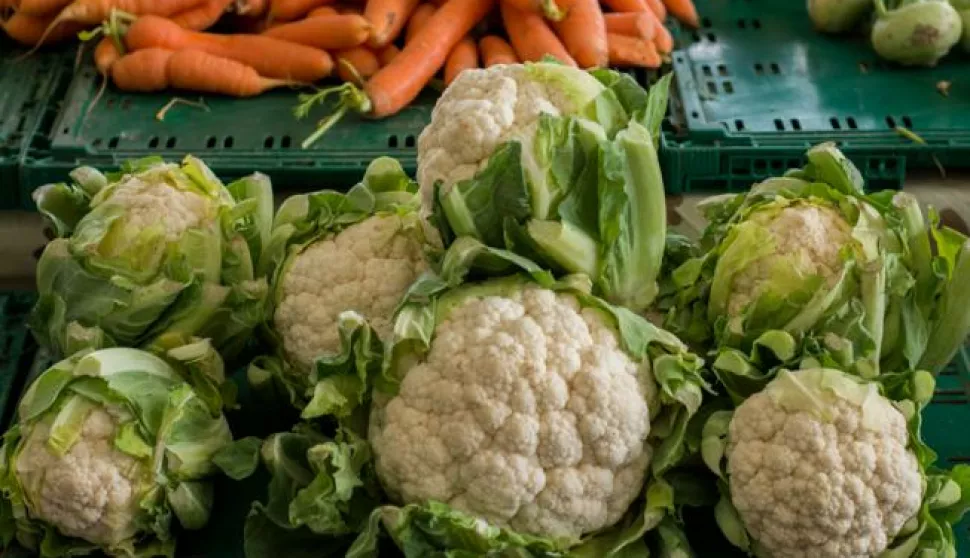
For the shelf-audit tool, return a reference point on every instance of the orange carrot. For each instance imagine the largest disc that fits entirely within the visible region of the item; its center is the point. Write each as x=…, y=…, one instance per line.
x=387, y=17
x=463, y=57
x=633, y=24
x=322, y=11
x=548, y=8
x=496, y=51
x=583, y=31
x=662, y=37
x=93, y=12
x=195, y=70
x=627, y=5
x=29, y=30
x=684, y=10
x=143, y=71
x=388, y=53
x=291, y=10
x=105, y=55
x=356, y=65
x=270, y=57
x=203, y=16
x=333, y=32
x=400, y=82
x=42, y=7
x=420, y=16
x=531, y=36
x=658, y=9
x=628, y=51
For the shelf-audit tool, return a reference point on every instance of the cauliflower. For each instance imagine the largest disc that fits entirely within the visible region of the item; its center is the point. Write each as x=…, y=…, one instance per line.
x=526, y=412
x=340, y=263
x=157, y=251
x=809, y=235
x=556, y=164
x=365, y=268
x=93, y=491
x=109, y=448
x=485, y=108
x=821, y=466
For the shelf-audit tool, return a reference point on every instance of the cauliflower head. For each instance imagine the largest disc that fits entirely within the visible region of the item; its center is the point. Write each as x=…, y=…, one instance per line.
x=483, y=109
x=92, y=491
x=525, y=412
x=366, y=268
x=820, y=467
x=810, y=236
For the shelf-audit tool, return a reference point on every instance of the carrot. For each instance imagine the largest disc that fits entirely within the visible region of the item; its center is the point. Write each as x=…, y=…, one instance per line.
x=548, y=8
x=531, y=36
x=583, y=31
x=105, y=55
x=143, y=71
x=662, y=37
x=420, y=16
x=627, y=5
x=195, y=70
x=291, y=10
x=658, y=8
x=42, y=7
x=30, y=30
x=93, y=12
x=356, y=65
x=496, y=51
x=270, y=57
x=632, y=24
x=463, y=57
x=333, y=32
x=400, y=82
x=203, y=16
x=684, y=10
x=322, y=11
x=387, y=17
x=388, y=53
x=632, y=51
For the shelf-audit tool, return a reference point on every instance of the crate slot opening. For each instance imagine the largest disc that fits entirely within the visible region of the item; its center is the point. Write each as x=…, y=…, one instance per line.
x=836, y=125
x=285, y=142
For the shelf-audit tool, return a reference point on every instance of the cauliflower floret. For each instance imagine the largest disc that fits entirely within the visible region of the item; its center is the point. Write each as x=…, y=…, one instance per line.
x=526, y=413
x=811, y=235
x=481, y=110
x=93, y=491
x=837, y=484
x=366, y=268
x=150, y=201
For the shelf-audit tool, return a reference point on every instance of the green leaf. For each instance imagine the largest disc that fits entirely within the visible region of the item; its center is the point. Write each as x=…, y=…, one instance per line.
x=240, y=459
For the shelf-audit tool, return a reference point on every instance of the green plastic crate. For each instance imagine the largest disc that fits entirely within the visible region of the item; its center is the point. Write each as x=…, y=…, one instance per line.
x=234, y=136
x=29, y=91
x=756, y=86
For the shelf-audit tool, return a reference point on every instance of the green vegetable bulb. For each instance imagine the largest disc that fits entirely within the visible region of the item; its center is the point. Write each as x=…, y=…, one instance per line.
x=917, y=32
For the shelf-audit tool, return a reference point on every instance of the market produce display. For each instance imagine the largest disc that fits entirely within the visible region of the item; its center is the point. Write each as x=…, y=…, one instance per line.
x=910, y=32
x=464, y=361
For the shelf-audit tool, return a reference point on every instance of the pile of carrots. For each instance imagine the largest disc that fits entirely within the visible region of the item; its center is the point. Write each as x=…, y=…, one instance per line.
x=390, y=49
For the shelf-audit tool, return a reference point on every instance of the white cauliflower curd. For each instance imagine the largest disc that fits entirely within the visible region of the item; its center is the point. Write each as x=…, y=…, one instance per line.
x=525, y=412
x=808, y=238
x=366, y=268
x=820, y=467
x=92, y=491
